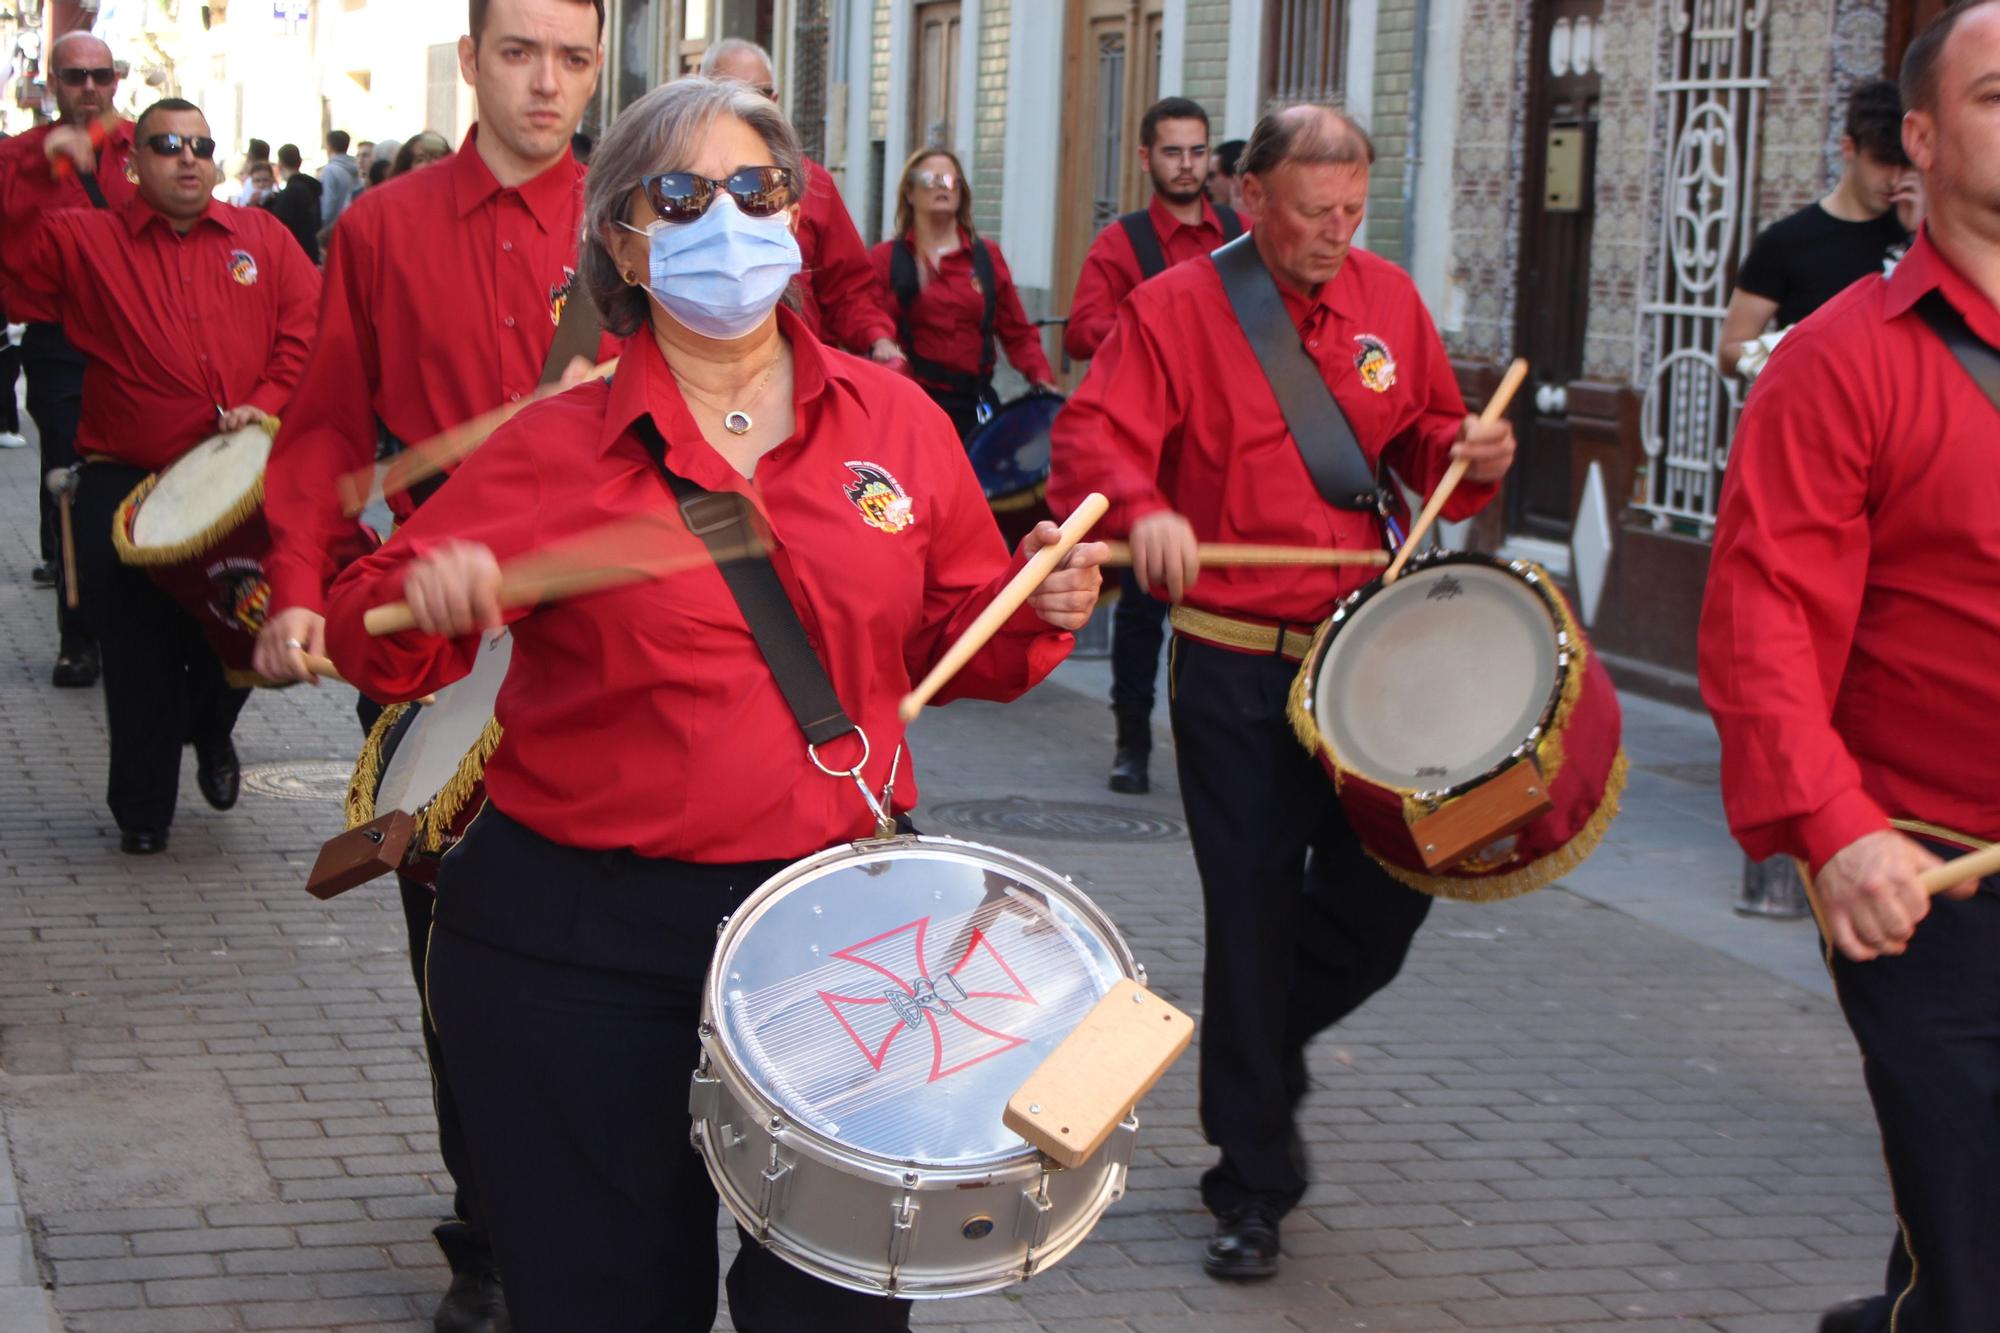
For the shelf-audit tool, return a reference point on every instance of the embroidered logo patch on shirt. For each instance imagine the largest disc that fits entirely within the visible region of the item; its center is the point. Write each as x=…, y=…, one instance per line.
x=559, y=295
x=879, y=497
x=1375, y=363
x=131, y=172
x=243, y=268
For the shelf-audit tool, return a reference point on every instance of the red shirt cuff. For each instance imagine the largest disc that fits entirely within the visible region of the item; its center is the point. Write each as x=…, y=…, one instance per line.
x=293, y=585
x=1847, y=817
x=269, y=399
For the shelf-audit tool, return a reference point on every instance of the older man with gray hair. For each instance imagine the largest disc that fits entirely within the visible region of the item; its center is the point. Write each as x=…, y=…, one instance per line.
x=1178, y=425
x=844, y=302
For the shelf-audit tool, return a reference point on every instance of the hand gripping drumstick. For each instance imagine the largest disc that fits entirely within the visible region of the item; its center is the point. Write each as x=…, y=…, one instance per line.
x=1973, y=865
x=1219, y=554
x=1495, y=407
x=1018, y=590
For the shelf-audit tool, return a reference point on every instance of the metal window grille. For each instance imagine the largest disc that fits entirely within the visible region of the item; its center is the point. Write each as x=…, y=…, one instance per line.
x=1711, y=104
x=1108, y=163
x=1305, y=57
x=812, y=32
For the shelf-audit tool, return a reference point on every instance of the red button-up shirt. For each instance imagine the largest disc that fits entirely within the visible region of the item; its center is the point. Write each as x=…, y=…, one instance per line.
x=31, y=189
x=944, y=319
x=1111, y=271
x=644, y=717
x=176, y=329
x=1849, y=636
x=443, y=290
x=1175, y=413
x=844, y=302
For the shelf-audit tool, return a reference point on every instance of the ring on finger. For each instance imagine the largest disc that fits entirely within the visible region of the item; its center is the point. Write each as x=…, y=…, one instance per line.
x=295, y=645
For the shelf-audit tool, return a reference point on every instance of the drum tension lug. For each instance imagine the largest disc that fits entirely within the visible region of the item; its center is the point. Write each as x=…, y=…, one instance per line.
x=903, y=1231
x=771, y=1196
x=1031, y=1224
x=704, y=1095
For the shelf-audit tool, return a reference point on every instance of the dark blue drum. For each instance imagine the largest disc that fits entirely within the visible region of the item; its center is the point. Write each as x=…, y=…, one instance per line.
x=1010, y=456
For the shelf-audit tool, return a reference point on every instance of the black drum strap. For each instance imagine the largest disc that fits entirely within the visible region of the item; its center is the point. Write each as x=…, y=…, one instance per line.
x=1980, y=361
x=1339, y=469
x=722, y=521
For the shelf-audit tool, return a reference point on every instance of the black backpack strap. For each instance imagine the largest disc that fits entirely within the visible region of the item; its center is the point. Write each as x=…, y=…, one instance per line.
x=1232, y=222
x=722, y=521
x=982, y=268
x=1138, y=227
x=1340, y=470
x=1981, y=361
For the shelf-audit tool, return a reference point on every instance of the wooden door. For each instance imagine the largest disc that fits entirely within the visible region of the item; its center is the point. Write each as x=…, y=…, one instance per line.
x=934, y=101
x=1111, y=74
x=1554, y=289
x=1906, y=18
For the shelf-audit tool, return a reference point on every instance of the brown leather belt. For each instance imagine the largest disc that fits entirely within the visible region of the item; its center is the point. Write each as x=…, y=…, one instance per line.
x=1244, y=636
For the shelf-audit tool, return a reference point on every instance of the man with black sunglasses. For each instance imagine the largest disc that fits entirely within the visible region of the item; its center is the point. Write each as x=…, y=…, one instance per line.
x=443, y=297
x=41, y=171
x=192, y=317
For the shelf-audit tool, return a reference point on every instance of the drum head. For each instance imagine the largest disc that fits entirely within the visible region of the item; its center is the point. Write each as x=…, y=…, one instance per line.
x=430, y=751
x=1010, y=453
x=1437, y=678
x=201, y=487
x=892, y=996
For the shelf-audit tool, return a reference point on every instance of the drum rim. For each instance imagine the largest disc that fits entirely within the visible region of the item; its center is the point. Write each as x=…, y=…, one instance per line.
x=1008, y=501
x=727, y=1062
x=1570, y=653
x=126, y=515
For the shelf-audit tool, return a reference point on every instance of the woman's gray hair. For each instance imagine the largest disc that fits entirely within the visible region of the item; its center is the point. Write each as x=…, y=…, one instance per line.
x=663, y=131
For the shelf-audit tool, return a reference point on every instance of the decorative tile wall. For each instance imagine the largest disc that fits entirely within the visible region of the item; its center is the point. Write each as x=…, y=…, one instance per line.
x=1486, y=186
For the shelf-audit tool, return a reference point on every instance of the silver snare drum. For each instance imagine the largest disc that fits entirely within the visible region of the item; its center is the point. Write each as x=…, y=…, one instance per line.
x=867, y=1015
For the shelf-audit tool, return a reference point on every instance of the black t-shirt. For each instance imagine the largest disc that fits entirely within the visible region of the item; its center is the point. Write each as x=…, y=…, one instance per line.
x=1807, y=259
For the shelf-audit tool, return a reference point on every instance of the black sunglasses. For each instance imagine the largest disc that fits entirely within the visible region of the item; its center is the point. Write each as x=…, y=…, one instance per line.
x=682, y=196
x=103, y=76
x=170, y=145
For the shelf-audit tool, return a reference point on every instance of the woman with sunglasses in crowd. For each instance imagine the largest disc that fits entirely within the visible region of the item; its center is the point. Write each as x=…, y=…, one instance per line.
x=953, y=295
x=652, y=774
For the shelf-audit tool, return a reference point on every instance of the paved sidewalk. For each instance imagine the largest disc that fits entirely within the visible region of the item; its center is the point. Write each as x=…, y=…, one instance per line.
x=1596, y=1107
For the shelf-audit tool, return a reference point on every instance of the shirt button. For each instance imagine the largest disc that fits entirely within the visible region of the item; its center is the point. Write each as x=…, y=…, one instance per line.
x=1314, y=344
x=516, y=398
x=509, y=321
x=507, y=246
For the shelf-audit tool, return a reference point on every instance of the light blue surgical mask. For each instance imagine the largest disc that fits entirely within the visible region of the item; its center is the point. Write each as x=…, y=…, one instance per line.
x=722, y=274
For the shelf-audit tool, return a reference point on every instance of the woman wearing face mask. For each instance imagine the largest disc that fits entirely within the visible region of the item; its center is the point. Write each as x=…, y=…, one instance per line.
x=953, y=294
x=652, y=774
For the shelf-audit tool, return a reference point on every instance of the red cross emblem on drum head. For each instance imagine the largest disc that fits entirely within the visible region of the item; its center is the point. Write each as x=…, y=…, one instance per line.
x=903, y=995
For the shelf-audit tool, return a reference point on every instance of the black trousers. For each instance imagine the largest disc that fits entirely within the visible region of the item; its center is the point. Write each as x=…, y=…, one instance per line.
x=55, y=400
x=1138, y=628
x=1302, y=925
x=162, y=683
x=963, y=406
x=566, y=986
x=1928, y=1024
x=462, y=1238
x=10, y=371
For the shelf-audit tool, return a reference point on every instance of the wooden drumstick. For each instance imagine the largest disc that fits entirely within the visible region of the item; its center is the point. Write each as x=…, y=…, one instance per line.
x=1018, y=590
x=1973, y=865
x=324, y=668
x=70, y=593
x=1220, y=554
x=449, y=446
x=1495, y=407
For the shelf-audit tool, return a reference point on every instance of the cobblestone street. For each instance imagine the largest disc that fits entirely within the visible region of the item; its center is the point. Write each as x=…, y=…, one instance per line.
x=1612, y=1104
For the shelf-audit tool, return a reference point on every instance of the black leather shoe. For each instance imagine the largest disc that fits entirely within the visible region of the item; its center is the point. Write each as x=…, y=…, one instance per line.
x=76, y=670
x=1245, y=1246
x=475, y=1304
x=142, y=841
x=218, y=774
x=1847, y=1317
x=1128, y=773
x=44, y=575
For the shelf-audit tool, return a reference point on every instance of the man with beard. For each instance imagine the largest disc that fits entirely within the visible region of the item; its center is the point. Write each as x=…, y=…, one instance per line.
x=443, y=297
x=41, y=172
x=1178, y=225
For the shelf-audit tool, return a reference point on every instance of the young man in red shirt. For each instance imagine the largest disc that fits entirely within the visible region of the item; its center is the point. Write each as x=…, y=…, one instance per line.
x=85, y=142
x=1847, y=653
x=1178, y=225
x=444, y=289
x=1177, y=425
x=192, y=317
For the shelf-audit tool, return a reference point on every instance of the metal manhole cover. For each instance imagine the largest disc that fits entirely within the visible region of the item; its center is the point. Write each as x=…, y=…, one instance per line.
x=1059, y=822
x=300, y=780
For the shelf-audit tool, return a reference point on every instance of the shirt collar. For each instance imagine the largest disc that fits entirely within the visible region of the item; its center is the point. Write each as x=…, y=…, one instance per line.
x=644, y=384
x=1334, y=296
x=1165, y=224
x=138, y=215
x=1923, y=270
x=473, y=183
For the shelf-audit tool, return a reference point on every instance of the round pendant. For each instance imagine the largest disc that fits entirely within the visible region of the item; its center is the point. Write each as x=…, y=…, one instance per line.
x=737, y=423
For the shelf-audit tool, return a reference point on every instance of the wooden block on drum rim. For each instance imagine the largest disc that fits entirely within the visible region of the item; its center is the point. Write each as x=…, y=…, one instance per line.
x=1088, y=1085
x=1507, y=803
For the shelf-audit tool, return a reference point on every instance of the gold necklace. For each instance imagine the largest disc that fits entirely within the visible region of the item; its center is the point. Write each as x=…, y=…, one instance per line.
x=735, y=420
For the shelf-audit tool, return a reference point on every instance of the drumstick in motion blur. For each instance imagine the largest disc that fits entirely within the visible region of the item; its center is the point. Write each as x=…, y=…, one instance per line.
x=1973, y=865
x=1219, y=554
x=1496, y=406
x=1018, y=590
x=447, y=447
x=324, y=668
